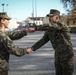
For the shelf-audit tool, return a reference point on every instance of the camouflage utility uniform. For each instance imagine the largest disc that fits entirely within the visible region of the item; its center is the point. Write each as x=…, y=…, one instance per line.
x=7, y=47
x=59, y=36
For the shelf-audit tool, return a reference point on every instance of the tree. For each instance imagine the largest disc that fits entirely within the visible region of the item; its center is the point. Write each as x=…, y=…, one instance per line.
x=71, y=3
x=72, y=6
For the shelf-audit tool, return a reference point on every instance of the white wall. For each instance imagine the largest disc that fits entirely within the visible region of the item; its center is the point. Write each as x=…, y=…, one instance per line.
x=13, y=24
x=46, y=20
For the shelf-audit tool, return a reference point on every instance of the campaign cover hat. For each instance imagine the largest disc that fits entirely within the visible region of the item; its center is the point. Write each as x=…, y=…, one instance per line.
x=53, y=12
x=4, y=15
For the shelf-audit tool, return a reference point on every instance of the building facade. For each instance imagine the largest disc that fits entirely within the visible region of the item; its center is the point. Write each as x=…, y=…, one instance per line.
x=36, y=20
x=69, y=20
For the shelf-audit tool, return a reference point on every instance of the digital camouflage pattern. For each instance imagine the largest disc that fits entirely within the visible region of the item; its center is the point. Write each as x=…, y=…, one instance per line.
x=59, y=36
x=7, y=47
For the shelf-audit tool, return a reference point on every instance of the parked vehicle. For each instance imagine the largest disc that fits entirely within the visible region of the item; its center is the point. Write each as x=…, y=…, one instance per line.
x=72, y=29
x=20, y=28
x=31, y=29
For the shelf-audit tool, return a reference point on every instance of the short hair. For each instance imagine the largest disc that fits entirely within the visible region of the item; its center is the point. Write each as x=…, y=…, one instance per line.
x=0, y=19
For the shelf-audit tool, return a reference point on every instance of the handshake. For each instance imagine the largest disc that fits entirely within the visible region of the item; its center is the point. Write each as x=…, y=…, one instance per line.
x=29, y=50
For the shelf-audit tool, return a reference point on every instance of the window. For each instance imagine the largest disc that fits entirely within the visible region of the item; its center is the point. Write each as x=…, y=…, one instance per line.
x=73, y=22
x=68, y=23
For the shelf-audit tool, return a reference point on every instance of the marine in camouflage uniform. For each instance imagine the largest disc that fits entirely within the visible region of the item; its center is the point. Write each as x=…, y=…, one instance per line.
x=7, y=47
x=6, y=44
x=59, y=35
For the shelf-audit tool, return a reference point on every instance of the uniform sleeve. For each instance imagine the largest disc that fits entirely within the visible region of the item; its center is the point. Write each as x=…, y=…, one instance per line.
x=11, y=48
x=66, y=33
x=41, y=42
x=65, y=30
x=16, y=35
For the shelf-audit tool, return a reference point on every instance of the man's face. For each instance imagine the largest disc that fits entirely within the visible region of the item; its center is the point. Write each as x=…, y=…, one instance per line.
x=5, y=22
x=54, y=18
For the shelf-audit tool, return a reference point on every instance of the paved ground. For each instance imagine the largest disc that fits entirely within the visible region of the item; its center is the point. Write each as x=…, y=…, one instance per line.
x=40, y=62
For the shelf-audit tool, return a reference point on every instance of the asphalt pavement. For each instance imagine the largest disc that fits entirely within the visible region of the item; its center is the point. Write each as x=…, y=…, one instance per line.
x=40, y=62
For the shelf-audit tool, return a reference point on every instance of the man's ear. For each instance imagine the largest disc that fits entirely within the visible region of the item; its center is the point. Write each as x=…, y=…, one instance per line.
x=57, y=19
x=2, y=20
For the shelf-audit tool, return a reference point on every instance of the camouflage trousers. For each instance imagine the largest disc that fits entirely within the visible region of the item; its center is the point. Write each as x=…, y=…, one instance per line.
x=3, y=73
x=64, y=67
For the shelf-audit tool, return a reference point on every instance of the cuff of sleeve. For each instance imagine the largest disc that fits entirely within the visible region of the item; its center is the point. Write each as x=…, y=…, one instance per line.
x=24, y=31
x=33, y=49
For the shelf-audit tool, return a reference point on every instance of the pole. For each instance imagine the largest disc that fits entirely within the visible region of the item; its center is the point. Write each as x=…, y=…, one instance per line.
x=36, y=11
x=32, y=8
x=3, y=7
x=7, y=7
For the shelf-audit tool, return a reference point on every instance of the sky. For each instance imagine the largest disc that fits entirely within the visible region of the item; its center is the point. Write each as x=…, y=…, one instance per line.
x=22, y=9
